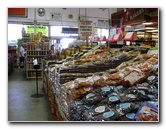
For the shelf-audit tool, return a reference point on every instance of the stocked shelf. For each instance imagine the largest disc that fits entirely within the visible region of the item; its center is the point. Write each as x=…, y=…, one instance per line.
x=124, y=87
x=29, y=66
x=10, y=64
x=12, y=52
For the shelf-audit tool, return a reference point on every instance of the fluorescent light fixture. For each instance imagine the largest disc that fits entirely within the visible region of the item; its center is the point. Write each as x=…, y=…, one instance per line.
x=152, y=31
x=147, y=23
x=150, y=28
x=140, y=33
x=103, y=41
x=155, y=36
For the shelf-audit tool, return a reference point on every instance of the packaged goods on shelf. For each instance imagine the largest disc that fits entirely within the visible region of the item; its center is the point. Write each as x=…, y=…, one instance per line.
x=147, y=112
x=120, y=88
x=12, y=53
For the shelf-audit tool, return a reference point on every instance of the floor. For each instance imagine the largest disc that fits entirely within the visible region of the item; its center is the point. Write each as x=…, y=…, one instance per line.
x=21, y=106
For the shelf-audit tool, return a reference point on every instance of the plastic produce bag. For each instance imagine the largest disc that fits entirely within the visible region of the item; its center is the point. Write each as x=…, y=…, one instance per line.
x=104, y=91
x=92, y=98
x=76, y=111
x=106, y=116
x=91, y=114
x=128, y=117
x=147, y=112
x=123, y=108
x=120, y=88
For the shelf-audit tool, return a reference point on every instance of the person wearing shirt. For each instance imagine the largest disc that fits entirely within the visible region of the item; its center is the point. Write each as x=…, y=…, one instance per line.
x=22, y=55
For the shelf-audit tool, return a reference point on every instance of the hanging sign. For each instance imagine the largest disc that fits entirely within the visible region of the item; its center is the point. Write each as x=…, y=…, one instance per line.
x=112, y=31
x=55, y=16
x=103, y=23
x=43, y=29
x=85, y=28
x=135, y=28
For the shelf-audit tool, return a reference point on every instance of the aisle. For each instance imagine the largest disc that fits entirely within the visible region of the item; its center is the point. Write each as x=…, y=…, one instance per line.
x=21, y=106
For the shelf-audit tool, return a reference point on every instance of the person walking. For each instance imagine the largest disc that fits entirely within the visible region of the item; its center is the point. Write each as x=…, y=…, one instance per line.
x=22, y=56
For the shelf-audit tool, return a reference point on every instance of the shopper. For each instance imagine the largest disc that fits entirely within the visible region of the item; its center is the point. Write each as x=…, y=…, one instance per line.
x=22, y=56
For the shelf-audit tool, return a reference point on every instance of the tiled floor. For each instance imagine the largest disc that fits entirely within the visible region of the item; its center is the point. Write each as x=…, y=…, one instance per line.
x=21, y=106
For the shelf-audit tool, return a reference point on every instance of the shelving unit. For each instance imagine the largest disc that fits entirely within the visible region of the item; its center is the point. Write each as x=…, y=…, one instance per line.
x=10, y=65
x=13, y=54
x=30, y=56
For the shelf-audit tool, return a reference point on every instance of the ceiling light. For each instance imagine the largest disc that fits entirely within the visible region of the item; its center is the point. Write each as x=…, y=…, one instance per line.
x=147, y=23
x=152, y=31
x=103, y=9
x=150, y=28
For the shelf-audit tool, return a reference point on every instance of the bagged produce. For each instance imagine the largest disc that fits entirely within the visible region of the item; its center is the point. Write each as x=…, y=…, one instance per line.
x=133, y=78
x=106, y=116
x=76, y=111
x=147, y=112
x=128, y=117
x=104, y=91
x=91, y=114
x=120, y=88
x=92, y=98
x=123, y=108
x=98, y=81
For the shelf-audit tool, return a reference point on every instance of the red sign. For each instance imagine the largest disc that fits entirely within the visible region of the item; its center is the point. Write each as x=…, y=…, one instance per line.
x=17, y=12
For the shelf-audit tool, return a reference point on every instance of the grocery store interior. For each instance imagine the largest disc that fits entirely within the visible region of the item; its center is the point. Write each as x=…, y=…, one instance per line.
x=83, y=64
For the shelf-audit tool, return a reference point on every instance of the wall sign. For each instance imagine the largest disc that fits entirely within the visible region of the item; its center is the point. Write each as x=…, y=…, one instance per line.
x=43, y=29
x=135, y=28
x=85, y=28
x=134, y=15
x=17, y=12
x=55, y=16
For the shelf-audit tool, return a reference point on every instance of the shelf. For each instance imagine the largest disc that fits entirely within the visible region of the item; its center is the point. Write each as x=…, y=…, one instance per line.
x=33, y=77
x=34, y=70
x=36, y=55
x=32, y=62
x=37, y=50
x=39, y=55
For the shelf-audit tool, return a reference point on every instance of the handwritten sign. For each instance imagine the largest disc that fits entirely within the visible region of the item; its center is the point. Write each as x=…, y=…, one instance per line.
x=85, y=28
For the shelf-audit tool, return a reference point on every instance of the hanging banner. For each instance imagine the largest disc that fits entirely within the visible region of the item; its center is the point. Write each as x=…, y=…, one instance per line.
x=85, y=28
x=103, y=23
x=43, y=29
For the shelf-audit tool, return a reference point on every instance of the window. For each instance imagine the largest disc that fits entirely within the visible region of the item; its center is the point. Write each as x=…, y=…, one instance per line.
x=57, y=31
x=14, y=33
x=103, y=32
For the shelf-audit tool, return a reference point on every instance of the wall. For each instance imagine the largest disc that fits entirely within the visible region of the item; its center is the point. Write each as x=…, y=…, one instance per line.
x=92, y=13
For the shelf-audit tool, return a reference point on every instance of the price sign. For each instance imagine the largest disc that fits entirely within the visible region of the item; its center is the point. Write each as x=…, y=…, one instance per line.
x=85, y=28
x=43, y=29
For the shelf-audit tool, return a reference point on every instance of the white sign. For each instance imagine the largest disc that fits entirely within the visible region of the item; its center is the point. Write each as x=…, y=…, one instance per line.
x=112, y=31
x=55, y=16
x=129, y=28
x=82, y=17
x=116, y=36
x=85, y=28
x=135, y=28
x=103, y=23
x=139, y=27
x=129, y=35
